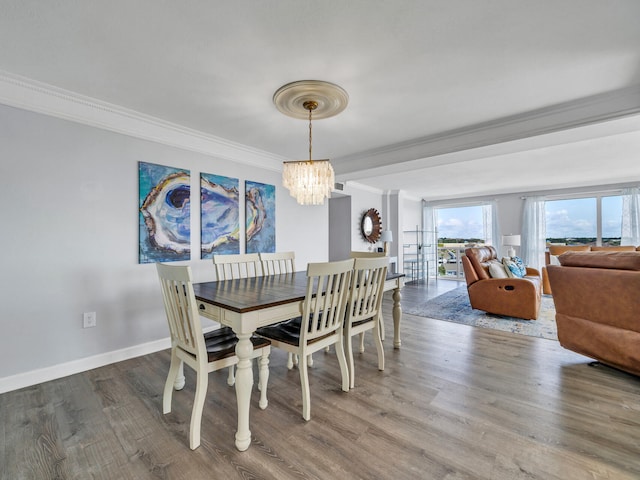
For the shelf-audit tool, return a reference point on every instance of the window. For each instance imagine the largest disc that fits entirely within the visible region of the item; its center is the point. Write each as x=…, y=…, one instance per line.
x=460, y=225
x=584, y=221
x=611, y=220
x=457, y=227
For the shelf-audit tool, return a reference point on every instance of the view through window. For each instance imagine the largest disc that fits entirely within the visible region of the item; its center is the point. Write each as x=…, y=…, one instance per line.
x=584, y=221
x=457, y=227
x=460, y=225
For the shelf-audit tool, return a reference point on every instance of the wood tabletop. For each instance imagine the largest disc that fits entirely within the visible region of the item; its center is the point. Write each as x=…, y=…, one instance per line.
x=250, y=294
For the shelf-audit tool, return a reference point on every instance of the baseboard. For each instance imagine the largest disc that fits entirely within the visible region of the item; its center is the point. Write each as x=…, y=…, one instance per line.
x=35, y=377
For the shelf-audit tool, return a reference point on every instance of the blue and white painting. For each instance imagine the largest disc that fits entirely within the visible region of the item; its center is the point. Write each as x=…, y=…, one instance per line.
x=165, y=213
x=260, y=207
x=219, y=215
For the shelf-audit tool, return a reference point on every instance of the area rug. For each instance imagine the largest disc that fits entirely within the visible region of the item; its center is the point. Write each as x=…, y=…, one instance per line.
x=454, y=306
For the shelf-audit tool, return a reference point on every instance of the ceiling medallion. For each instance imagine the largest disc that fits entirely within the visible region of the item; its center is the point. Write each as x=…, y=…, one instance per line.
x=310, y=181
x=329, y=97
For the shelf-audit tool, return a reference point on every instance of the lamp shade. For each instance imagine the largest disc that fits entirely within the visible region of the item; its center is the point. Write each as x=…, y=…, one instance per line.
x=511, y=240
x=386, y=236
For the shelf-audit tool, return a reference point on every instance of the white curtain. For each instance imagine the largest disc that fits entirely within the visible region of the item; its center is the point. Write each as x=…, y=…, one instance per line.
x=630, y=216
x=534, y=232
x=490, y=224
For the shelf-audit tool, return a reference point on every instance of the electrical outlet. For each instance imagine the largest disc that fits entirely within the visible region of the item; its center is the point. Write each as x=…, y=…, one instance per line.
x=89, y=319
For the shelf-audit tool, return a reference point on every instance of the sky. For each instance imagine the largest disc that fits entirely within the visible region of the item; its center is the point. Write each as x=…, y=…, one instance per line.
x=461, y=222
x=577, y=217
x=565, y=219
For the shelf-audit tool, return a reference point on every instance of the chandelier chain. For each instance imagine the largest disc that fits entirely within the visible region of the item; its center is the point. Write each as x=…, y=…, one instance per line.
x=310, y=134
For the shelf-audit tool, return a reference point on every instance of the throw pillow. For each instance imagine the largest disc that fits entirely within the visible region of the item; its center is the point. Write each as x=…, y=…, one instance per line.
x=520, y=264
x=513, y=269
x=506, y=261
x=497, y=270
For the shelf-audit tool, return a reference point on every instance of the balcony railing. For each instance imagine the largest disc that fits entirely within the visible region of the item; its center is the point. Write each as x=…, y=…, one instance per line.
x=450, y=262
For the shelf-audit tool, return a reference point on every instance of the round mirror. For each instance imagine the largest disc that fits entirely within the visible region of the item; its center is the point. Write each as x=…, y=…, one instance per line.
x=367, y=226
x=371, y=225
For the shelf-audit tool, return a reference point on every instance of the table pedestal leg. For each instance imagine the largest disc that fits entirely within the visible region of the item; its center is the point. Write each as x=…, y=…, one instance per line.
x=244, y=384
x=397, y=315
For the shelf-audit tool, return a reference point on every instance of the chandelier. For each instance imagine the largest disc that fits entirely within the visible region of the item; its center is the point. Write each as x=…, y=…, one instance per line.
x=310, y=181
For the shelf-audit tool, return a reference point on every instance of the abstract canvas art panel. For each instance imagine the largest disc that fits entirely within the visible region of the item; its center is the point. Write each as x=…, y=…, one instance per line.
x=165, y=213
x=260, y=207
x=219, y=215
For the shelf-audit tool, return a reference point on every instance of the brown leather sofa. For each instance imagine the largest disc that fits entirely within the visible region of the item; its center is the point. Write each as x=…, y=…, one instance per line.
x=597, y=299
x=554, y=250
x=513, y=297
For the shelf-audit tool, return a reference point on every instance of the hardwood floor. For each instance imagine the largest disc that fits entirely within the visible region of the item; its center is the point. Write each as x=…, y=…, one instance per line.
x=455, y=402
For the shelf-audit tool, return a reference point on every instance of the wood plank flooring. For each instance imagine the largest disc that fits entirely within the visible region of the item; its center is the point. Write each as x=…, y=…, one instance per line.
x=455, y=403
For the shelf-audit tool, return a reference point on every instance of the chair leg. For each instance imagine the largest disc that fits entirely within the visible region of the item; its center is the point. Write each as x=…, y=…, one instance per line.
x=310, y=361
x=381, y=326
x=180, y=380
x=350, y=364
x=169, y=383
x=361, y=342
x=231, y=379
x=202, y=381
x=304, y=383
x=290, y=360
x=378, y=341
x=343, y=364
x=263, y=378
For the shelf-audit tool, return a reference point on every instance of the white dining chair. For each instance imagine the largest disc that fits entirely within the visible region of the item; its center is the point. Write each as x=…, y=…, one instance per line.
x=364, y=306
x=357, y=254
x=274, y=264
x=277, y=263
x=323, y=314
x=235, y=266
x=204, y=353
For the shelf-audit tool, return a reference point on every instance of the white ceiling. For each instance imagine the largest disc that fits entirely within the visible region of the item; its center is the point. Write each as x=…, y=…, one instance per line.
x=447, y=98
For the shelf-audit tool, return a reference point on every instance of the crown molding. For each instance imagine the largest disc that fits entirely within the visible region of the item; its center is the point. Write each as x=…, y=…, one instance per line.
x=360, y=186
x=27, y=94
x=568, y=116
x=502, y=134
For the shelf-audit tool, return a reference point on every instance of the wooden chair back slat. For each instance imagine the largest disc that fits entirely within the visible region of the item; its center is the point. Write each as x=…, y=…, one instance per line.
x=367, y=288
x=277, y=263
x=233, y=267
x=180, y=307
x=323, y=309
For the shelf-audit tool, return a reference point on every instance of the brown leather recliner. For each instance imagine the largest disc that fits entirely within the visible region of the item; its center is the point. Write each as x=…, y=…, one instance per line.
x=597, y=299
x=513, y=297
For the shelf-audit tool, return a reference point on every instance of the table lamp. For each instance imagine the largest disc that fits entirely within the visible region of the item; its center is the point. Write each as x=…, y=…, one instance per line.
x=386, y=237
x=511, y=241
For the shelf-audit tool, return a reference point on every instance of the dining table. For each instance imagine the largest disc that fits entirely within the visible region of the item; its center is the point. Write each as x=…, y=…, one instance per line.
x=249, y=303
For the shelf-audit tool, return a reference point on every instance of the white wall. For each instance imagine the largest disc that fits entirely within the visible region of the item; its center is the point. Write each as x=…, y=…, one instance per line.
x=362, y=199
x=340, y=227
x=69, y=201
